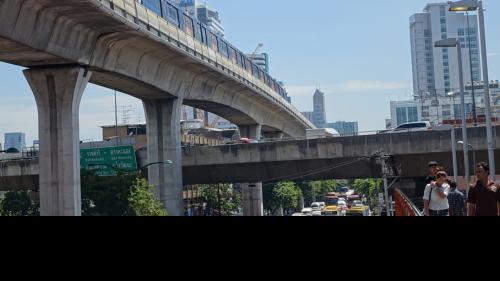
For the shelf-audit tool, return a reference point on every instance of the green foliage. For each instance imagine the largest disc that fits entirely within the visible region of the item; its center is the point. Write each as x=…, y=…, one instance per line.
x=315, y=191
x=283, y=194
x=367, y=187
x=221, y=200
x=142, y=201
x=123, y=195
x=19, y=203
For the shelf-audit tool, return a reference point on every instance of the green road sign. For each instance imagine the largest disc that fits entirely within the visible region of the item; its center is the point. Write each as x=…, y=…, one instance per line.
x=108, y=161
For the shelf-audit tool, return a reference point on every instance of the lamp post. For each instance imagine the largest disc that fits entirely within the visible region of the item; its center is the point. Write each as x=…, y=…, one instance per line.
x=450, y=43
x=473, y=93
x=473, y=151
x=452, y=95
x=473, y=5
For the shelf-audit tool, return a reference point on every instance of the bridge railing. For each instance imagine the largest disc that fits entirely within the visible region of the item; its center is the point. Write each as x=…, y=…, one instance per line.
x=135, y=13
x=404, y=207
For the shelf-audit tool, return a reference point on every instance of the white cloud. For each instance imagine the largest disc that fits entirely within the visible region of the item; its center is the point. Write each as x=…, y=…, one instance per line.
x=365, y=86
x=493, y=54
x=352, y=86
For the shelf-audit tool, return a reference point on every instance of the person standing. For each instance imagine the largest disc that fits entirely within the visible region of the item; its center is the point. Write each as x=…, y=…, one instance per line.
x=433, y=170
x=484, y=196
x=456, y=200
x=436, y=197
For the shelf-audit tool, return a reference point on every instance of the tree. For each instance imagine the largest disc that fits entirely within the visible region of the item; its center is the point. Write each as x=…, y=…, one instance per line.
x=315, y=191
x=122, y=195
x=367, y=187
x=142, y=201
x=284, y=195
x=221, y=199
x=19, y=203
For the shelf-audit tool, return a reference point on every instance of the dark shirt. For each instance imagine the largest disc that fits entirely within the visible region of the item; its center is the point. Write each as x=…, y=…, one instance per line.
x=457, y=204
x=485, y=200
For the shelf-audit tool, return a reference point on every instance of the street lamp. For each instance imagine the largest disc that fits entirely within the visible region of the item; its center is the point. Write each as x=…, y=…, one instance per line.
x=450, y=43
x=473, y=5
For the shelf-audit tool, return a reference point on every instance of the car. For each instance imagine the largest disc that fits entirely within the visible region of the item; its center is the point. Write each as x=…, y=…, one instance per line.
x=413, y=127
x=307, y=212
x=242, y=141
x=318, y=206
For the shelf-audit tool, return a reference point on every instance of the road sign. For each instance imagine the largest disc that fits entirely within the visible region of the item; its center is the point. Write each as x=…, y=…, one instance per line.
x=108, y=161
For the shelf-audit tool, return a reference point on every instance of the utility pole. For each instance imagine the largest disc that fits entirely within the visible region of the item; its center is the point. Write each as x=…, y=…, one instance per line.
x=383, y=158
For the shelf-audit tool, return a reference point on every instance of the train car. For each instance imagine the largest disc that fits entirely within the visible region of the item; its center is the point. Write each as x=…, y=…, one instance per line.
x=193, y=35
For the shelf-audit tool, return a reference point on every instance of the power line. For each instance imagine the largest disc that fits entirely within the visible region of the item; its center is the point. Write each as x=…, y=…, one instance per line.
x=316, y=171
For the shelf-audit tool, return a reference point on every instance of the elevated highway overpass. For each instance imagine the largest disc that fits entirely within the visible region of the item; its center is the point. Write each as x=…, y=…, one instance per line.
x=297, y=160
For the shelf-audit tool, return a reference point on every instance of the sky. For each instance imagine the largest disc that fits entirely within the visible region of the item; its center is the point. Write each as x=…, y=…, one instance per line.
x=357, y=52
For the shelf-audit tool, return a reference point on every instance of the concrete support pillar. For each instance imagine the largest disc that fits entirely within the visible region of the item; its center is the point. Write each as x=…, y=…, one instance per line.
x=274, y=135
x=163, y=119
x=250, y=131
x=253, y=205
x=58, y=92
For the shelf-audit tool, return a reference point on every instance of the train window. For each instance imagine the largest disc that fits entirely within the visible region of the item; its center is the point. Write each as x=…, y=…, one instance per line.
x=249, y=65
x=212, y=41
x=204, y=35
x=188, y=25
x=233, y=55
x=197, y=32
x=153, y=5
x=171, y=13
x=255, y=70
x=223, y=48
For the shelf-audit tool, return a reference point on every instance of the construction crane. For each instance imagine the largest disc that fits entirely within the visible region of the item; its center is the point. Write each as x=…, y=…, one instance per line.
x=257, y=49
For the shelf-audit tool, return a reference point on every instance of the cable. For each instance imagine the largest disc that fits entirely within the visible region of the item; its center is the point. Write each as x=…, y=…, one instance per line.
x=316, y=171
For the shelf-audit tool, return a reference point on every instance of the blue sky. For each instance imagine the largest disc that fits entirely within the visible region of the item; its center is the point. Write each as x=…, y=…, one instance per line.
x=357, y=50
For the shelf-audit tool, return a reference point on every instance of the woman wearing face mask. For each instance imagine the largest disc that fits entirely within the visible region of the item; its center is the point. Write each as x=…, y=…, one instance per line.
x=436, y=197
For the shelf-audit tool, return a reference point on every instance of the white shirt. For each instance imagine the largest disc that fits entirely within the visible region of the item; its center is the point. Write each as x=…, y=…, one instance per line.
x=437, y=203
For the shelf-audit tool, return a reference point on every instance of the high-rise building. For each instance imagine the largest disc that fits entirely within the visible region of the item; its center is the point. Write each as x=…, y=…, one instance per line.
x=404, y=112
x=308, y=115
x=206, y=15
x=15, y=140
x=345, y=128
x=210, y=18
x=319, y=111
x=435, y=70
x=447, y=109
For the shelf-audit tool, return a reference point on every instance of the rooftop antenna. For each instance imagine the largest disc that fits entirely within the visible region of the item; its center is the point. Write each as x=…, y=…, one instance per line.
x=126, y=110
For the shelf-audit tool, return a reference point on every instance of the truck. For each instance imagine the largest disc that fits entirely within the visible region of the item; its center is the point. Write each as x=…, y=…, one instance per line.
x=321, y=133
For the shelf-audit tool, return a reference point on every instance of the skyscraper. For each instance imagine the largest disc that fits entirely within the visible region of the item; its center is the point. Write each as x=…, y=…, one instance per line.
x=319, y=111
x=435, y=70
x=15, y=140
x=204, y=14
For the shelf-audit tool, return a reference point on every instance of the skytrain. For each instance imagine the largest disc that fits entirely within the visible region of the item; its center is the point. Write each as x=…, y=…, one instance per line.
x=201, y=33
